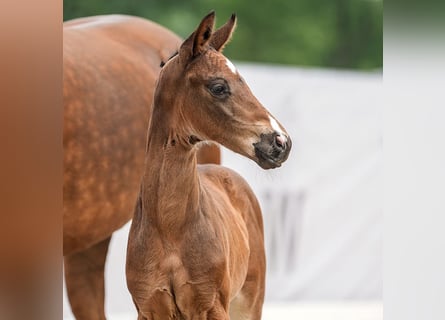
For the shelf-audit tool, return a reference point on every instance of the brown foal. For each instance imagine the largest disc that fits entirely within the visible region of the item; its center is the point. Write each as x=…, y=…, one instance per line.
x=195, y=248
x=110, y=66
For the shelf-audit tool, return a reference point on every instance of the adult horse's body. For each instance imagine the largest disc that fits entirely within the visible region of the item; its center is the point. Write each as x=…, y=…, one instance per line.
x=110, y=67
x=196, y=247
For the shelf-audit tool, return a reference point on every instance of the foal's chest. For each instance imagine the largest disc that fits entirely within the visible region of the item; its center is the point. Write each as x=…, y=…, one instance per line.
x=173, y=288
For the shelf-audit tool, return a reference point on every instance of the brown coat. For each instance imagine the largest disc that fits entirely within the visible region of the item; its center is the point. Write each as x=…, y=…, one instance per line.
x=196, y=247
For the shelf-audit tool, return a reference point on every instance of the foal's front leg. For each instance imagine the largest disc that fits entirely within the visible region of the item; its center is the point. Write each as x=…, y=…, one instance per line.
x=84, y=276
x=217, y=313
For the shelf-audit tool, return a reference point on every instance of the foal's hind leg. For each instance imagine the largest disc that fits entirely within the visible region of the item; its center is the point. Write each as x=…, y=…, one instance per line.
x=84, y=277
x=248, y=304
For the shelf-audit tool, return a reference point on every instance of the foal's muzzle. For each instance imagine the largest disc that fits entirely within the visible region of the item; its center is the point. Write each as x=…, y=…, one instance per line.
x=272, y=150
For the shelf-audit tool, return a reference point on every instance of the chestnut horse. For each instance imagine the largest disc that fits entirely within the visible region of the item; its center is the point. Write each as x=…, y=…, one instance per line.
x=196, y=248
x=110, y=66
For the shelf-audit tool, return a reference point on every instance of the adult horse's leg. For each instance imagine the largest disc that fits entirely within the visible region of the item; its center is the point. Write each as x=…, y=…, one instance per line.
x=84, y=278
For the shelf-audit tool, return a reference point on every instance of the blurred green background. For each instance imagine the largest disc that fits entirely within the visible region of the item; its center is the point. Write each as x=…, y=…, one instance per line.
x=330, y=33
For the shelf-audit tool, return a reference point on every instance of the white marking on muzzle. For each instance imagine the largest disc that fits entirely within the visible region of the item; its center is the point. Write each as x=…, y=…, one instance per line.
x=274, y=124
x=231, y=66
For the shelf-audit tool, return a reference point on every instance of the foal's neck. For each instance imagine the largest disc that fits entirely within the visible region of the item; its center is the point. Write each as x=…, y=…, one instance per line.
x=170, y=185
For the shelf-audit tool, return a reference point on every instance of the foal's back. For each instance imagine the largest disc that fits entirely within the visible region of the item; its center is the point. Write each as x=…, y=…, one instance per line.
x=230, y=184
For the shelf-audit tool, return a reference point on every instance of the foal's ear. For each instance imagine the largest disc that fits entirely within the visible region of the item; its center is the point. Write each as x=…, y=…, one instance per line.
x=223, y=35
x=198, y=41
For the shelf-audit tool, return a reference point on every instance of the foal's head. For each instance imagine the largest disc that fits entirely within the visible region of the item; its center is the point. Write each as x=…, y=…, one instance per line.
x=211, y=101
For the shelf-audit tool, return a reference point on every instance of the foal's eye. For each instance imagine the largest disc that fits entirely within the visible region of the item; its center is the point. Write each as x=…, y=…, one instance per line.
x=219, y=88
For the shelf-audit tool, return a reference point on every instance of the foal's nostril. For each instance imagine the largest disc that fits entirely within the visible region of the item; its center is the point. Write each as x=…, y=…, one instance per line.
x=280, y=142
x=272, y=149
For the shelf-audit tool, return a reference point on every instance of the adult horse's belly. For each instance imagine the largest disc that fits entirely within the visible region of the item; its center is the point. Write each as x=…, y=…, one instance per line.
x=110, y=67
